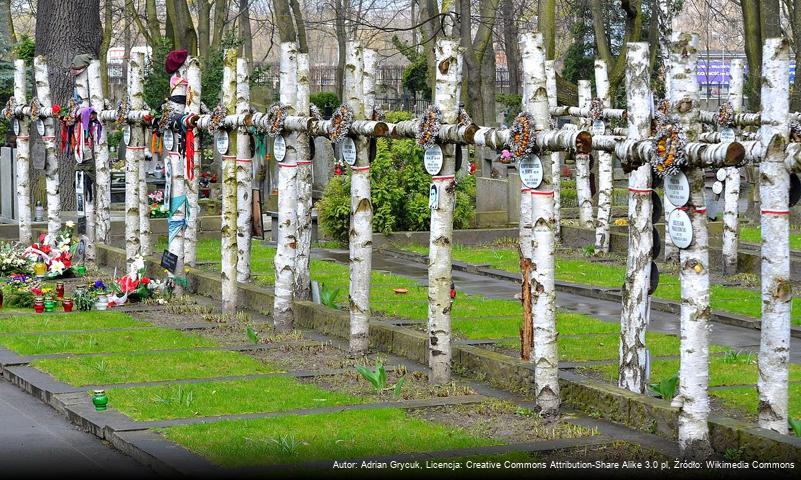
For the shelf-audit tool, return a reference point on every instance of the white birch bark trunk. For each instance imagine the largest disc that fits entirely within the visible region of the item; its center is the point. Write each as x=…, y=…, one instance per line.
x=692, y=398
x=286, y=246
x=144, y=213
x=82, y=90
x=134, y=156
x=23, y=156
x=635, y=304
x=774, y=195
x=556, y=157
x=304, y=182
x=526, y=222
x=361, y=208
x=102, y=202
x=51, y=163
x=228, y=230
x=583, y=193
x=448, y=56
x=192, y=186
x=605, y=180
x=731, y=187
x=665, y=20
x=545, y=355
x=244, y=175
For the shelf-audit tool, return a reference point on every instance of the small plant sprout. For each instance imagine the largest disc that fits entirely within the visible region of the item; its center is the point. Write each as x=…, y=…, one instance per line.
x=739, y=356
x=328, y=296
x=378, y=379
x=588, y=250
x=795, y=426
x=666, y=388
x=253, y=335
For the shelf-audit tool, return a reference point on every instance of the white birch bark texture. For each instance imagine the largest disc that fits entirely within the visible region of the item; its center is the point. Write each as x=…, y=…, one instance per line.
x=604, y=167
x=286, y=246
x=665, y=21
x=774, y=194
x=52, y=180
x=134, y=155
x=526, y=222
x=304, y=181
x=176, y=221
x=102, y=173
x=731, y=187
x=192, y=186
x=635, y=304
x=229, y=200
x=144, y=214
x=360, y=241
x=556, y=157
x=692, y=399
x=23, y=156
x=244, y=175
x=82, y=90
x=448, y=56
x=545, y=355
x=583, y=193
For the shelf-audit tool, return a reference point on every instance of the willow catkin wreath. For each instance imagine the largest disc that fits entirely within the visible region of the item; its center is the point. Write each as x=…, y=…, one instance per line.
x=378, y=114
x=596, y=109
x=8, y=112
x=217, y=118
x=35, y=107
x=668, y=144
x=166, y=114
x=315, y=112
x=522, y=138
x=726, y=114
x=123, y=109
x=340, y=123
x=428, y=127
x=276, y=116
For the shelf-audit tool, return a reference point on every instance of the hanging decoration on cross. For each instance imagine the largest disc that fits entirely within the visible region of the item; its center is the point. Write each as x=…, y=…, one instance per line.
x=429, y=126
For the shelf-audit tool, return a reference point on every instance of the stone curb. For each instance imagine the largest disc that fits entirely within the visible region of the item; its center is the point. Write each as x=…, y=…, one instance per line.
x=619, y=405
x=600, y=293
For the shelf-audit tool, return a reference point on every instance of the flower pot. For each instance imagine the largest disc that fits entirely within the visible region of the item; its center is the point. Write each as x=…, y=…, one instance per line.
x=67, y=304
x=38, y=305
x=60, y=289
x=49, y=305
x=40, y=269
x=102, y=303
x=100, y=400
x=80, y=270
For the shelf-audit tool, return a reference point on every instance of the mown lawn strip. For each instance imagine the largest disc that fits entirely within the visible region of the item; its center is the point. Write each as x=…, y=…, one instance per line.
x=103, y=342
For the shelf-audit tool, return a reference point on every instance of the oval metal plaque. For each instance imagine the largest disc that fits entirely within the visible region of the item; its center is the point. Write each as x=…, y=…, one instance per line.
x=16, y=126
x=680, y=228
x=717, y=188
x=530, y=168
x=126, y=134
x=279, y=148
x=677, y=189
x=169, y=140
x=40, y=126
x=348, y=150
x=598, y=127
x=721, y=174
x=727, y=135
x=432, y=160
x=221, y=141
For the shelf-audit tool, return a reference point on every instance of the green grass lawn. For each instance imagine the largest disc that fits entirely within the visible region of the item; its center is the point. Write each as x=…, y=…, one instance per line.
x=754, y=235
x=728, y=299
x=746, y=399
x=32, y=323
x=339, y=436
x=104, y=342
x=273, y=394
x=150, y=367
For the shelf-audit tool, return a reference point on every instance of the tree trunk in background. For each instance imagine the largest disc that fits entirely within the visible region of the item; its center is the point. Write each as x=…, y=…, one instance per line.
x=7, y=33
x=153, y=26
x=795, y=99
x=583, y=194
x=777, y=294
x=339, y=26
x=108, y=28
x=753, y=50
x=58, y=38
x=23, y=156
x=511, y=33
x=633, y=31
x=220, y=14
x=731, y=197
x=488, y=79
x=244, y=32
x=203, y=30
x=546, y=23
x=431, y=31
x=300, y=27
x=635, y=304
x=605, y=174
x=556, y=157
x=475, y=51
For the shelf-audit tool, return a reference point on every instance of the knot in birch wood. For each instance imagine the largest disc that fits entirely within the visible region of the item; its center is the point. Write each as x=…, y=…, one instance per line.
x=782, y=290
x=444, y=66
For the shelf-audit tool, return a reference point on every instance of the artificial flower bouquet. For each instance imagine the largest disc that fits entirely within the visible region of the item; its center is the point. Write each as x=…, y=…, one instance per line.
x=13, y=259
x=56, y=253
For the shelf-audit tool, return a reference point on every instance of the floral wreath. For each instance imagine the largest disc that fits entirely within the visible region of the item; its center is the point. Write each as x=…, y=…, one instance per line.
x=315, y=112
x=340, y=123
x=668, y=144
x=71, y=111
x=8, y=112
x=378, y=114
x=428, y=128
x=217, y=117
x=123, y=109
x=521, y=139
x=596, y=108
x=726, y=114
x=276, y=116
x=464, y=118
